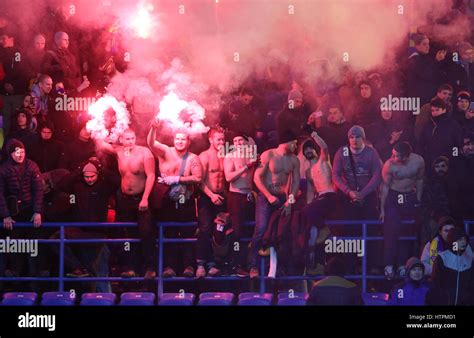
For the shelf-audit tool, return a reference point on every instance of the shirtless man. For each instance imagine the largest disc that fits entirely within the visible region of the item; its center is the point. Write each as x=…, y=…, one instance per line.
x=137, y=171
x=170, y=163
x=319, y=176
x=277, y=179
x=211, y=201
x=402, y=188
x=238, y=172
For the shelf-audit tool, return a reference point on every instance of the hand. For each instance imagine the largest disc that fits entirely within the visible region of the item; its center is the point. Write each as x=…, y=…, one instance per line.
x=8, y=223
x=170, y=180
x=354, y=195
x=395, y=136
x=143, y=206
x=9, y=88
x=314, y=134
x=382, y=215
x=217, y=199
x=440, y=55
x=272, y=199
x=36, y=219
x=85, y=84
x=286, y=209
x=155, y=123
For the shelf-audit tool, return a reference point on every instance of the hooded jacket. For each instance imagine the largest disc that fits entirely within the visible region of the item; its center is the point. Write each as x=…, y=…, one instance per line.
x=410, y=292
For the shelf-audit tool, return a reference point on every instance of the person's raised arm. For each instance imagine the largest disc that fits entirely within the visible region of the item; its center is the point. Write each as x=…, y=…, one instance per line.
x=158, y=149
x=324, y=156
x=106, y=147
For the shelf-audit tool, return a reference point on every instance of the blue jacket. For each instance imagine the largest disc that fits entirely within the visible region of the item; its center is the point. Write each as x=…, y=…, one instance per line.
x=409, y=293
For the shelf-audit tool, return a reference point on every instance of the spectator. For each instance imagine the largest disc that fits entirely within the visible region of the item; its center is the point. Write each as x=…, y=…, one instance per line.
x=452, y=275
x=47, y=152
x=461, y=74
x=463, y=113
x=40, y=93
x=414, y=289
x=335, y=289
x=295, y=114
x=21, y=199
x=437, y=244
x=367, y=109
x=33, y=59
x=241, y=112
x=78, y=151
x=21, y=131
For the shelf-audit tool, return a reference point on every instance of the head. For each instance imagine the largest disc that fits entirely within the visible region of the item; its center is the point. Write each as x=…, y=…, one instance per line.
x=375, y=80
x=39, y=42
x=246, y=96
x=401, y=152
x=90, y=173
x=309, y=150
x=359, y=77
x=216, y=137
x=415, y=269
x=182, y=141
x=28, y=102
x=335, y=115
x=7, y=40
x=365, y=89
x=356, y=136
x=84, y=134
x=239, y=140
x=468, y=146
x=466, y=52
x=463, y=99
x=441, y=166
x=62, y=40
x=16, y=149
x=288, y=142
x=128, y=138
x=438, y=107
x=445, y=92
x=422, y=43
x=22, y=119
x=457, y=240
x=386, y=115
x=335, y=267
x=295, y=99
x=445, y=224
x=46, y=131
x=45, y=83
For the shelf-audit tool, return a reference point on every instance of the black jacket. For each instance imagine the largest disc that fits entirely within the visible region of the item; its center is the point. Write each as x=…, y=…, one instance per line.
x=423, y=75
x=335, y=136
x=47, y=154
x=24, y=182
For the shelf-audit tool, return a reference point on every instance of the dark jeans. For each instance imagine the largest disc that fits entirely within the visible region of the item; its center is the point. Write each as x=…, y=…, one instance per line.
x=239, y=207
x=398, y=206
x=127, y=211
x=207, y=212
x=263, y=212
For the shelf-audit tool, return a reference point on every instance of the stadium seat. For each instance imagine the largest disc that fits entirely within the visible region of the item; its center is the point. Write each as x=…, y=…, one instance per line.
x=98, y=299
x=216, y=298
x=292, y=299
x=137, y=299
x=176, y=299
x=255, y=299
x=19, y=298
x=58, y=299
x=375, y=299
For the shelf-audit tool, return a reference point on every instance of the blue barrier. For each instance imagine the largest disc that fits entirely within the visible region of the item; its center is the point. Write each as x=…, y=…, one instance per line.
x=162, y=240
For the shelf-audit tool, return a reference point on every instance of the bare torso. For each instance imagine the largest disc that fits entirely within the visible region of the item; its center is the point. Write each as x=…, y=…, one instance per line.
x=132, y=169
x=213, y=166
x=243, y=184
x=404, y=176
x=321, y=177
x=280, y=167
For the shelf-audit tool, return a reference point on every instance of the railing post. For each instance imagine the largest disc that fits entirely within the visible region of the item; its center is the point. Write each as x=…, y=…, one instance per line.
x=262, y=275
x=160, y=261
x=364, y=258
x=61, y=258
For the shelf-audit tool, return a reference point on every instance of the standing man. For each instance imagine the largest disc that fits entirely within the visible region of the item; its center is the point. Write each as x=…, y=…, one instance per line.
x=401, y=192
x=137, y=169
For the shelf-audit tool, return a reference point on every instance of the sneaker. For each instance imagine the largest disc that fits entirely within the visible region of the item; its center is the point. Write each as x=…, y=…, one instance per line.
x=188, y=272
x=79, y=273
x=168, y=273
x=150, y=274
x=315, y=270
x=254, y=273
x=214, y=272
x=402, y=271
x=239, y=272
x=200, y=272
x=389, y=273
x=264, y=252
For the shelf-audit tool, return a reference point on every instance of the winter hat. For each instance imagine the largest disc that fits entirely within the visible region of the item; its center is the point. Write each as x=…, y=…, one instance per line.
x=13, y=145
x=463, y=95
x=413, y=262
x=357, y=131
x=455, y=234
x=294, y=95
x=90, y=168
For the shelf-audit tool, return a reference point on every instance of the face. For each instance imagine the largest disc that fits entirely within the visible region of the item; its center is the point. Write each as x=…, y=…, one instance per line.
x=7, y=41
x=469, y=114
x=297, y=103
x=365, y=91
x=386, y=114
x=468, y=55
x=46, y=85
x=423, y=47
x=181, y=142
x=436, y=111
x=246, y=99
x=335, y=115
x=356, y=142
x=468, y=149
x=309, y=153
x=18, y=155
x=291, y=147
x=90, y=177
x=445, y=95
x=359, y=77
x=128, y=139
x=445, y=230
x=39, y=42
x=416, y=273
x=461, y=244
x=27, y=101
x=441, y=169
x=46, y=133
x=63, y=41
x=239, y=141
x=398, y=158
x=21, y=120
x=217, y=140
x=84, y=134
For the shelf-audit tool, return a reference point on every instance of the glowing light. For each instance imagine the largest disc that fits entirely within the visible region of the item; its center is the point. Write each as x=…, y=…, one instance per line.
x=109, y=118
x=142, y=22
x=182, y=114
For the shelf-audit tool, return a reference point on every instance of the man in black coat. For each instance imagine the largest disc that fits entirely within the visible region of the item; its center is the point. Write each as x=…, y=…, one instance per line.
x=47, y=152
